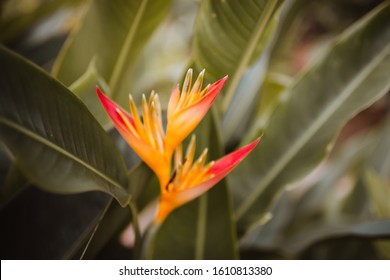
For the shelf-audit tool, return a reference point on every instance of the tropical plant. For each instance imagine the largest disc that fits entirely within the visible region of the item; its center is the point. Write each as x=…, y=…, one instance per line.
x=310, y=77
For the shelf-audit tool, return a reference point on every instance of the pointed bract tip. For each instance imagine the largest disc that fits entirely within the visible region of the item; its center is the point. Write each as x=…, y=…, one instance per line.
x=98, y=91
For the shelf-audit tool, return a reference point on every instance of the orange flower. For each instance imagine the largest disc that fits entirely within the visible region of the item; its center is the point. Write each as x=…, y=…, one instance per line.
x=147, y=138
x=191, y=179
x=186, y=108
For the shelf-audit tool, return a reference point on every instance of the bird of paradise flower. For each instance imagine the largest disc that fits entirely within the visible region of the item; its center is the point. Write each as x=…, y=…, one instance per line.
x=156, y=147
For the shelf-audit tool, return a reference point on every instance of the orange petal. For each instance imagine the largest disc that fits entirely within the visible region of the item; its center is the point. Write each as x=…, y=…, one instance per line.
x=111, y=109
x=173, y=101
x=184, y=121
x=171, y=200
x=149, y=155
x=225, y=164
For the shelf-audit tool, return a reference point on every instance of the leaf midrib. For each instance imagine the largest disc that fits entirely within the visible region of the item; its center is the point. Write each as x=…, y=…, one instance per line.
x=58, y=149
x=125, y=50
x=260, y=26
x=312, y=129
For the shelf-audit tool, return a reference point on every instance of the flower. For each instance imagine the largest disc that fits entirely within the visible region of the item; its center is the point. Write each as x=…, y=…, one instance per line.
x=192, y=178
x=186, y=108
x=147, y=138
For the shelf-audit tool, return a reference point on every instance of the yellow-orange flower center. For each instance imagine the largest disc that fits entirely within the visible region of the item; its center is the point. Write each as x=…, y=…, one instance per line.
x=189, y=173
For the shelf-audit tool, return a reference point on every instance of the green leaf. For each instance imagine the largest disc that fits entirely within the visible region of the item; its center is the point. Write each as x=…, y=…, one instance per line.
x=193, y=231
x=229, y=35
x=301, y=128
x=379, y=160
x=114, y=33
x=144, y=185
x=85, y=89
x=298, y=208
x=235, y=122
x=379, y=193
x=279, y=73
x=54, y=139
x=42, y=225
x=117, y=218
x=371, y=230
x=15, y=182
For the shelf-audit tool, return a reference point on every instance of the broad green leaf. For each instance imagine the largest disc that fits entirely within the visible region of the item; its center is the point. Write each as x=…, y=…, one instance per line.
x=376, y=179
x=15, y=182
x=373, y=173
x=279, y=73
x=289, y=233
x=113, y=33
x=54, y=139
x=379, y=192
x=229, y=35
x=193, y=231
x=302, y=127
x=297, y=214
x=371, y=230
x=269, y=234
x=379, y=160
x=85, y=89
x=294, y=210
x=294, y=45
x=236, y=119
x=116, y=218
x=144, y=185
x=42, y=225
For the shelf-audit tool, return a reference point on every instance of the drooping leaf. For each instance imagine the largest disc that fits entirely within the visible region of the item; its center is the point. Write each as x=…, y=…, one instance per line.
x=113, y=33
x=193, y=231
x=54, y=139
x=301, y=128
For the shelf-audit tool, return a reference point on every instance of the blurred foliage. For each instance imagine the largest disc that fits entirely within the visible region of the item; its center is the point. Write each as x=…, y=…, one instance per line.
x=311, y=76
